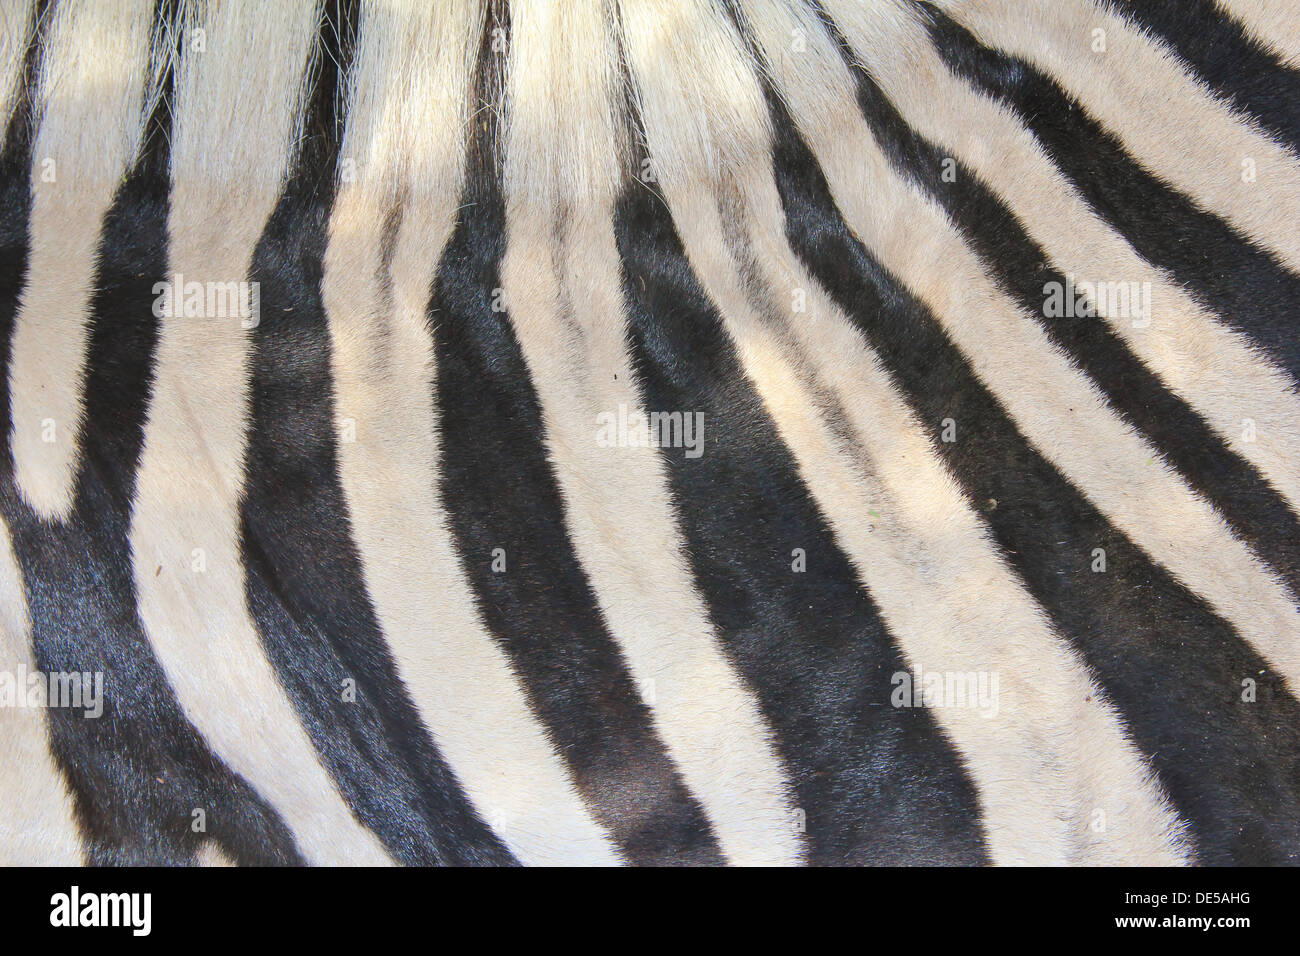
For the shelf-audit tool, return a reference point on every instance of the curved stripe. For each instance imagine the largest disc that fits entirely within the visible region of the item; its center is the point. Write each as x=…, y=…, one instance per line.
x=1214, y=368
x=237, y=105
x=91, y=114
x=1207, y=151
x=562, y=292
x=1253, y=510
x=847, y=364
x=874, y=784
x=1167, y=662
x=77, y=574
x=305, y=585
x=406, y=136
x=1055, y=406
x=1150, y=213
x=926, y=541
x=507, y=515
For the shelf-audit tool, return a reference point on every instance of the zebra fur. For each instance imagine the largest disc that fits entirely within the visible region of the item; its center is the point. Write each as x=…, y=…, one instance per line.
x=367, y=583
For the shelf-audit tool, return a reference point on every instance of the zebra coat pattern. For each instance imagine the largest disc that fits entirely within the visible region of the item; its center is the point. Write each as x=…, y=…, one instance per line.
x=650, y=431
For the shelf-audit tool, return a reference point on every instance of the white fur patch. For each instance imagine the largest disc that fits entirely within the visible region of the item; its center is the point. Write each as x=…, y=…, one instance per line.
x=210, y=853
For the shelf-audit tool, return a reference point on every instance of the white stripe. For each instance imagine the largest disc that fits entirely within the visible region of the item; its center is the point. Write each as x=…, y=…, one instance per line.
x=37, y=821
x=236, y=115
x=1055, y=753
x=564, y=298
x=1271, y=23
x=94, y=70
x=1055, y=407
x=1213, y=368
x=15, y=28
x=1199, y=144
x=210, y=853
x=406, y=137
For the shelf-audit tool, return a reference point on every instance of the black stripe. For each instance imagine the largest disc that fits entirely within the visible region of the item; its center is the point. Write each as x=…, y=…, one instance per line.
x=1253, y=509
x=1243, y=284
x=1224, y=56
x=305, y=586
x=500, y=492
x=877, y=784
x=139, y=771
x=1172, y=668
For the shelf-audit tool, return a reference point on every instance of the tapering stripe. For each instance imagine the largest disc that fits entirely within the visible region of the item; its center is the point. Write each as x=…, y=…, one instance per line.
x=1175, y=671
x=15, y=211
x=562, y=293
x=508, y=519
x=1221, y=159
x=409, y=105
x=35, y=805
x=78, y=580
x=732, y=431
x=1252, y=406
x=238, y=104
x=90, y=115
x=1238, y=68
x=1055, y=406
x=305, y=586
x=1270, y=23
x=1255, y=512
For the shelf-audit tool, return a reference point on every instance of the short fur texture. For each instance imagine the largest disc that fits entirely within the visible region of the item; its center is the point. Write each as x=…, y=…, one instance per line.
x=370, y=578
